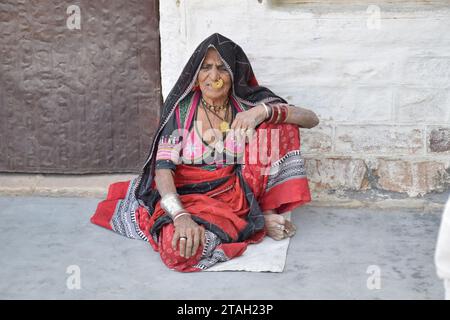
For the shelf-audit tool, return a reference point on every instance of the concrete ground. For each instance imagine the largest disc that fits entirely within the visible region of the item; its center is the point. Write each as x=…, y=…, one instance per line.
x=331, y=257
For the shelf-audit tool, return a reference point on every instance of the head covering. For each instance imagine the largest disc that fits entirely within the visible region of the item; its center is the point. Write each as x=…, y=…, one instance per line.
x=245, y=89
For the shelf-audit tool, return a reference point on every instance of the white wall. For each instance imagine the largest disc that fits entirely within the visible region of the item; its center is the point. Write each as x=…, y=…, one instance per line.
x=380, y=87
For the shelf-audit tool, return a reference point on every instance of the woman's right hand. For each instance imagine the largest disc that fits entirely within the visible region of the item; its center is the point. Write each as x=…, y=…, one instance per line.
x=191, y=234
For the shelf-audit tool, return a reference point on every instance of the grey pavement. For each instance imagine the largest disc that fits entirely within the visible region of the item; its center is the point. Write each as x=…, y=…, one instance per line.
x=329, y=258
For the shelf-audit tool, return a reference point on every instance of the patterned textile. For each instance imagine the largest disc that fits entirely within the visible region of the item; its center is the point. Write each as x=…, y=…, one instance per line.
x=245, y=90
x=124, y=220
x=291, y=166
x=181, y=140
x=279, y=168
x=169, y=149
x=227, y=200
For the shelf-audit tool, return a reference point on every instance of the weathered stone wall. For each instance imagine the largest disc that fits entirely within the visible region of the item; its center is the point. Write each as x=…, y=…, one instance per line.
x=378, y=77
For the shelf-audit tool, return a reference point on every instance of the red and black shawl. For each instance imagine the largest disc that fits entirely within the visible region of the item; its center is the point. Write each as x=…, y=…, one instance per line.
x=245, y=88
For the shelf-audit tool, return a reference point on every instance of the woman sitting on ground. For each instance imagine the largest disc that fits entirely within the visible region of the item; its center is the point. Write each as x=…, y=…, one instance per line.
x=224, y=164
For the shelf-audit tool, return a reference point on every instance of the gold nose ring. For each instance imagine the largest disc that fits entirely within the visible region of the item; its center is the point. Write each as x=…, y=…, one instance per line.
x=217, y=84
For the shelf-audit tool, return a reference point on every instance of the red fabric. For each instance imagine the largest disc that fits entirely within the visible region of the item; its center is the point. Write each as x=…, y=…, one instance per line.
x=172, y=258
x=105, y=209
x=253, y=82
x=287, y=195
x=226, y=210
x=174, y=261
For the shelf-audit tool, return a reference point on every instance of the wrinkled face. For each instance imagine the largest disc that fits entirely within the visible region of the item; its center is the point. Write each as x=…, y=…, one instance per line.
x=211, y=72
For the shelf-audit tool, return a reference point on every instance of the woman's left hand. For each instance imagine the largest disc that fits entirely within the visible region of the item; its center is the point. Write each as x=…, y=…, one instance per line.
x=245, y=122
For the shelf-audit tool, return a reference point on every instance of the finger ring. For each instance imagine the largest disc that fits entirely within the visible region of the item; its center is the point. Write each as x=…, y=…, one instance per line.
x=183, y=238
x=281, y=227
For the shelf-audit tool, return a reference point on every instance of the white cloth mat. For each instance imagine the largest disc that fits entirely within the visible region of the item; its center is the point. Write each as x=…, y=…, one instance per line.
x=266, y=256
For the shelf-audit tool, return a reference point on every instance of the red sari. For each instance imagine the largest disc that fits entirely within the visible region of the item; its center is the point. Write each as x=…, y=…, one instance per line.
x=278, y=182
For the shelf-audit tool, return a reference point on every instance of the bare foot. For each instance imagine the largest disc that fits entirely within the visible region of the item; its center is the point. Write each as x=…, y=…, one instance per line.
x=278, y=227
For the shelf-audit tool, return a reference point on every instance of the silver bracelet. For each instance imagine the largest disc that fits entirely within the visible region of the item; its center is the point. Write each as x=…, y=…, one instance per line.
x=180, y=214
x=171, y=204
x=267, y=110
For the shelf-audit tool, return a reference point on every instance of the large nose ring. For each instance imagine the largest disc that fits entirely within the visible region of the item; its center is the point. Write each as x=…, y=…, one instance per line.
x=217, y=84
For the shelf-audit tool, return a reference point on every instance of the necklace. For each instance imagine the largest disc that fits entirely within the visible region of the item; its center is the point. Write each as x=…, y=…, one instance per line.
x=215, y=108
x=225, y=124
x=219, y=144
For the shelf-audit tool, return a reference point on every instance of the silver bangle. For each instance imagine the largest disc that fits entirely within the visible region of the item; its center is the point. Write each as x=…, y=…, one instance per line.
x=171, y=204
x=180, y=214
x=267, y=110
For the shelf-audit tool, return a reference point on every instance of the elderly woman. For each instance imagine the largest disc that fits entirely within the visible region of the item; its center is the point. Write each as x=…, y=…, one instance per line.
x=224, y=163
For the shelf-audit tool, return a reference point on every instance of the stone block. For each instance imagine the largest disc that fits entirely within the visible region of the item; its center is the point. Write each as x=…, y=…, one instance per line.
x=427, y=71
x=379, y=139
x=423, y=105
x=438, y=139
x=413, y=178
x=337, y=173
x=317, y=140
